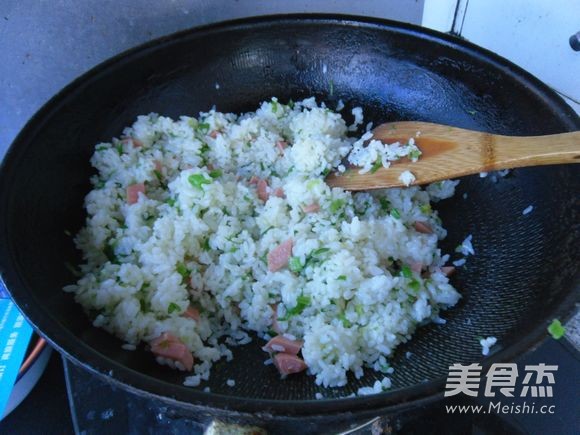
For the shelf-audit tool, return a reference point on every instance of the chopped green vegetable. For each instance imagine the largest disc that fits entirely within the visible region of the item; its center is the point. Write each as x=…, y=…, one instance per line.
x=359, y=309
x=312, y=184
x=384, y=368
x=376, y=165
x=295, y=265
x=336, y=205
x=345, y=322
x=301, y=303
x=205, y=245
x=203, y=149
x=556, y=329
x=406, y=271
x=319, y=251
x=101, y=148
x=325, y=172
x=172, y=307
x=341, y=278
x=385, y=204
x=158, y=175
x=265, y=231
x=182, y=270
x=197, y=180
x=170, y=201
x=415, y=285
x=415, y=154
x=109, y=251
x=215, y=173
x=203, y=127
x=291, y=104
x=274, y=106
x=425, y=209
x=271, y=333
x=119, y=148
x=395, y=213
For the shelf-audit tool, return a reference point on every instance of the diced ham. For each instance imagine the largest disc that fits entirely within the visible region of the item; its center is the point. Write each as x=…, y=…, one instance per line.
x=279, y=256
x=448, y=270
x=263, y=190
x=281, y=145
x=311, y=208
x=133, y=192
x=279, y=192
x=213, y=134
x=169, y=346
x=288, y=364
x=423, y=227
x=135, y=142
x=283, y=344
x=192, y=313
x=164, y=337
x=416, y=266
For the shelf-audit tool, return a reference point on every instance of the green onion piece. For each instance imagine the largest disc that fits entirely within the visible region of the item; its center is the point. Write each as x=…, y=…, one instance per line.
x=301, y=303
x=172, y=307
x=325, y=172
x=215, y=173
x=295, y=265
x=385, y=204
x=119, y=148
x=556, y=329
x=170, y=201
x=109, y=252
x=291, y=104
x=274, y=106
x=415, y=154
x=425, y=209
x=415, y=285
x=205, y=245
x=376, y=165
x=341, y=278
x=204, y=149
x=312, y=184
x=345, y=322
x=203, y=127
x=395, y=213
x=319, y=251
x=158, y=174
x=197, y=180
x=183, y=271
x=336, y=205
x=359, y=309
x=406, y=271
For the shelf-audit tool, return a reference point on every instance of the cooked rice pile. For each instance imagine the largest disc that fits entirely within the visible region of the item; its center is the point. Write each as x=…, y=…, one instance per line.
x=183, y=217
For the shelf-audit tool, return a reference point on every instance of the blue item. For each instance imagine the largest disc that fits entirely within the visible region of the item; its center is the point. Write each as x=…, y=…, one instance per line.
x=15, y=333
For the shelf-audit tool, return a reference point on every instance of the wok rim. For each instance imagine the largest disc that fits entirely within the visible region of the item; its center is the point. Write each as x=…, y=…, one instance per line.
x=113, y=372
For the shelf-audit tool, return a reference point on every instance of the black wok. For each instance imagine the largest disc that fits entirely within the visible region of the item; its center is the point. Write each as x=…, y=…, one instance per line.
x=526, y=268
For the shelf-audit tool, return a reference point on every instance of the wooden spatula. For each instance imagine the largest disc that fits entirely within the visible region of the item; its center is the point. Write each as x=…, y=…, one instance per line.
x=450, y=152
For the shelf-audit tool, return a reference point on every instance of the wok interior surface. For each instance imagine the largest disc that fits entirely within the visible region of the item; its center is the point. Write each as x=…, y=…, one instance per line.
x=524, y=273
